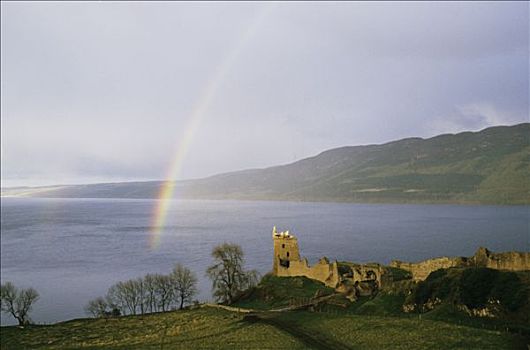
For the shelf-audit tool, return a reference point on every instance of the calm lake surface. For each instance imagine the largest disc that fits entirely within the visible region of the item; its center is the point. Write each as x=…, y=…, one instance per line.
x=73, y=250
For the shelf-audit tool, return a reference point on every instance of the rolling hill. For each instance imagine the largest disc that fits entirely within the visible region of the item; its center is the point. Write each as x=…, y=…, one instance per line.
x=491, y=166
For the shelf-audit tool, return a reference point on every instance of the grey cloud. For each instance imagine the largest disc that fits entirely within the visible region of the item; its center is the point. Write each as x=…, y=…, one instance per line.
x=104, y=91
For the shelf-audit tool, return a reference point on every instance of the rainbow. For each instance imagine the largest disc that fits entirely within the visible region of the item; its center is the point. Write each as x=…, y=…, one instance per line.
x=167, y=188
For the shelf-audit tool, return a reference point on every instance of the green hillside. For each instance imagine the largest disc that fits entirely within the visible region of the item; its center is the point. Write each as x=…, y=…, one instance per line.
x=487, y=167
x=491, y=166
x=209, y=328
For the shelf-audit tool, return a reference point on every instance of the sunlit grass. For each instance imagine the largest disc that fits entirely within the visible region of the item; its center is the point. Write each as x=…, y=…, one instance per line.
x=209, y=328
x=204, y=328
x=376, y=332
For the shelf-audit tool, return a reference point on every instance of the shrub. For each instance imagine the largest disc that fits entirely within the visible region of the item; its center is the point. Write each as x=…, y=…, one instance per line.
x=436, y=285
x=510, y=291
x=97, y=307
x=475, y=286
x=399, y=274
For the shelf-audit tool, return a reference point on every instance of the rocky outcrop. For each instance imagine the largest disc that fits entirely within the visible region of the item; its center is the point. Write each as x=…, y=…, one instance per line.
x=512, y=261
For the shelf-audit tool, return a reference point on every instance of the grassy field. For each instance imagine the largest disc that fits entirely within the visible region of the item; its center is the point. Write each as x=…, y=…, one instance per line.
x=376, y=332
x=210, y=328
x=191, y=329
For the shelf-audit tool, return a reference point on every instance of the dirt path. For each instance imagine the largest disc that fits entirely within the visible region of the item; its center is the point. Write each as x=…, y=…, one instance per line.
x=313, y=302
x=230, y=308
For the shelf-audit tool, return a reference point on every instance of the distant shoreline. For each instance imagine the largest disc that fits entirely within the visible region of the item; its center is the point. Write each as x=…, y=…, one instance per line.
x=374, y=202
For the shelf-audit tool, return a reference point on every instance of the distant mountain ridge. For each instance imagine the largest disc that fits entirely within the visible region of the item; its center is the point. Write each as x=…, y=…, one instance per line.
x=491, y=166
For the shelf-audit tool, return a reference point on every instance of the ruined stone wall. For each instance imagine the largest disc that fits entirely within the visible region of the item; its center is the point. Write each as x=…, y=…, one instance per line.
x=513, y=261
x=422, y=269
x=323, y=271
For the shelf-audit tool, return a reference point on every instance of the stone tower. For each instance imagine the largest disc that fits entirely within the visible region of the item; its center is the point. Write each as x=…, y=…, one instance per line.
x=285, y=250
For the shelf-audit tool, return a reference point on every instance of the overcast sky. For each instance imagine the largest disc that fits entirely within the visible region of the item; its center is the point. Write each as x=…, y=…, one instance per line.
x=95, y=91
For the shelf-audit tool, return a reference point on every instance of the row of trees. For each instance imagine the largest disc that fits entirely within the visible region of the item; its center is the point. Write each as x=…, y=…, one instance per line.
x=157, y=292
x=151, y=293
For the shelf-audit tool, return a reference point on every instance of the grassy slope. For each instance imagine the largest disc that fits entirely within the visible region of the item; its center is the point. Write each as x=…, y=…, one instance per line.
x=376, y=332
x=277, y=292
x=491, y=166
x=389, y=302
x=219, y=329
x=202, y=328
x=368, y=323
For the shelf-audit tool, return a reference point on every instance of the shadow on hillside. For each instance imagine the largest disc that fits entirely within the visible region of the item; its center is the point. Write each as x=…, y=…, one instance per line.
x=314, y=340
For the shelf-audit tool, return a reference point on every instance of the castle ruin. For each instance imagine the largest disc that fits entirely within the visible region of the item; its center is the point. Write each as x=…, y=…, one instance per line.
x=365, y=279
x=351, y=279
x=287, y=261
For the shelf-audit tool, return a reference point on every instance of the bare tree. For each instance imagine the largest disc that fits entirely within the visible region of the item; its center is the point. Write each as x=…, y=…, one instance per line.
x=163, y=291
x=132, y=295
x=115, y=298
x=128, y=295
x=141, y=291
x=97, y=307
x=17, y=302
x=153, y=293
x=227, y=273
x=150, y=292
x=184, y=284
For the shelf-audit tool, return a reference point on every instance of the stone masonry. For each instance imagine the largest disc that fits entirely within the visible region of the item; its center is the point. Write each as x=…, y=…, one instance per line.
x=512, y=261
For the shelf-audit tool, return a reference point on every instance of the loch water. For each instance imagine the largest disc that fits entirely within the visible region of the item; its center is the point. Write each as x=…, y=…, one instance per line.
x=73, y=250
